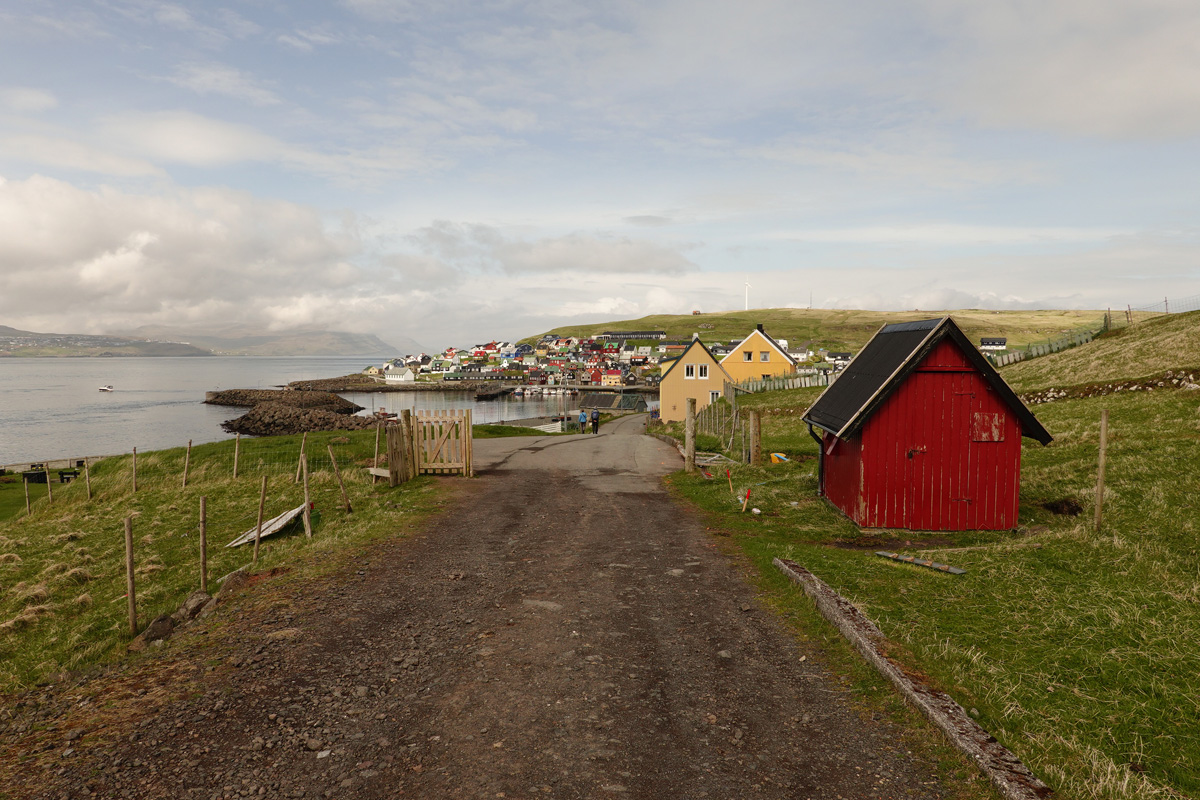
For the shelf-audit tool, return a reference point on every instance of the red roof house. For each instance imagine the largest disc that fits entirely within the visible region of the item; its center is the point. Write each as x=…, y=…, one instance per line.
x=920, y=432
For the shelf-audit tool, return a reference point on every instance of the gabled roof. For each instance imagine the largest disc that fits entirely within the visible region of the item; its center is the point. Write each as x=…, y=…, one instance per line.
x=694, y=343
x=879, y=368
x=766, y=336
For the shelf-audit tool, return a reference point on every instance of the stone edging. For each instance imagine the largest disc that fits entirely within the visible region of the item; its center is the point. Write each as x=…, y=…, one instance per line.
x=1006, y=772
x=662, y=437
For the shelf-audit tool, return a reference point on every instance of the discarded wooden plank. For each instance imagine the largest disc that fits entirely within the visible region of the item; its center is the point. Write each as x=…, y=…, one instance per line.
x=921, y=562
x=272, y=526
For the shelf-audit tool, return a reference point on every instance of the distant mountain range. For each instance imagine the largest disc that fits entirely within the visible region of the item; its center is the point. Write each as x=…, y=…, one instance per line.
x=164, y=341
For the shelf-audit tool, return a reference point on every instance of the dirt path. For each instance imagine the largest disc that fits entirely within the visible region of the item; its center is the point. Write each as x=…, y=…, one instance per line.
x=564, y=631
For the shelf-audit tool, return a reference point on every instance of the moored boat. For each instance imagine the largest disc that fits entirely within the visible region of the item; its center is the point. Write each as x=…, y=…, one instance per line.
x=106, y=387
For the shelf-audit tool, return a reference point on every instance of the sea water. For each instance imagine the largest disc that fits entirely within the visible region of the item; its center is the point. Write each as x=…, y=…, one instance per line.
x=52, y=408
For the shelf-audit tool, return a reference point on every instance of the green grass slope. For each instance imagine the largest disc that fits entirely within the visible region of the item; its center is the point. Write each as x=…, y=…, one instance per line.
x=1138, y=351
x=844, y=330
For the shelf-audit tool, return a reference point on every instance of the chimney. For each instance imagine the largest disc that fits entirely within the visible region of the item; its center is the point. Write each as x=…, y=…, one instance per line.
x=695, y=336
x=760, y=330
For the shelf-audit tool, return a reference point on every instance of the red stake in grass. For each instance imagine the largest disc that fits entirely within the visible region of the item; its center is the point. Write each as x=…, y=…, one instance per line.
x=747, y=500
x=729, y=478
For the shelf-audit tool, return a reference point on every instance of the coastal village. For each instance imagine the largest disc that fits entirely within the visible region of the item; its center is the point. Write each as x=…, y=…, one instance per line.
x=616, y=360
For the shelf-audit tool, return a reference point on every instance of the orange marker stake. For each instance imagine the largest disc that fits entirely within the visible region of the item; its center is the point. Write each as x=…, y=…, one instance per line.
x=730, y=479
x=747, y=500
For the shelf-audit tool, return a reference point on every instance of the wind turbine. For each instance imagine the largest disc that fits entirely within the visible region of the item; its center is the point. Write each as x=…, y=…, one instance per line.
x=747, y=295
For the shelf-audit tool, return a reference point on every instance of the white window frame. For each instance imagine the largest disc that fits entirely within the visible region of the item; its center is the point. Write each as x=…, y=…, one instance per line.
x=713, y=397
x=764, y=356
x=689, y=372
x=747, y=355
x=703, y=374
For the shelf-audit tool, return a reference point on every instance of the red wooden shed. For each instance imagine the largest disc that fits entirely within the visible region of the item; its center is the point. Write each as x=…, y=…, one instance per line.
x=921, y=432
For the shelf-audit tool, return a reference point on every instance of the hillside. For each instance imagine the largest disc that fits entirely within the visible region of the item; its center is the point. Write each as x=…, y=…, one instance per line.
x=1139, y=351
x=249, y=341
x=17, y=343
x=842, y=329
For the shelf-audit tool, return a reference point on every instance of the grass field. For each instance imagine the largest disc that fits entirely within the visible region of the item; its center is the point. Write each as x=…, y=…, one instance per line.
x=1077, y=649
x=62, y=575
x=846, y=330
x=1148, y=348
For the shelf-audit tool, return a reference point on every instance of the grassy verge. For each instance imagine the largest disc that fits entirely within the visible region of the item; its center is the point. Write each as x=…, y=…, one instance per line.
x=1075, y=648
x=62, y=575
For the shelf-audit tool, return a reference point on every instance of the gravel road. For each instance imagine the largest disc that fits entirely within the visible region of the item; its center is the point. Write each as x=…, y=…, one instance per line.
x=562, y=631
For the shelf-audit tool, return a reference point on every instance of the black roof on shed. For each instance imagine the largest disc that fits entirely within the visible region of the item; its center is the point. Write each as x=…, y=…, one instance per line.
x=880, y=367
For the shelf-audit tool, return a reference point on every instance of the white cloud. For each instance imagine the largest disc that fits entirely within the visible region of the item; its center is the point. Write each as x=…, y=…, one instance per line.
x=71, y=155
x=224, y=80
x=483, y=246
x=953, y=235
x=182, y=137
x=23, y=99
x=1123, y=68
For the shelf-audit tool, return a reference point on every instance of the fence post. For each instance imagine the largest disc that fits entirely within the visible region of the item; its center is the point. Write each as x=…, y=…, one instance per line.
x=755, y=437
x=187, y=461
x=204, y=544
x=87, y=477
x=470, y=442
x=337, y=474
x=135, y=470
x=300, y=463
x=375, y=462
x=262, y=499
x=25, y=481
x=129, y=582
x=237, y=449
x=1100, y=467
x=307, y=515
x=689, y=436
x=49, y=486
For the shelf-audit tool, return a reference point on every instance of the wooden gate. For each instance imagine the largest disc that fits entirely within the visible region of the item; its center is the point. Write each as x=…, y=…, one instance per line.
x=442, y=442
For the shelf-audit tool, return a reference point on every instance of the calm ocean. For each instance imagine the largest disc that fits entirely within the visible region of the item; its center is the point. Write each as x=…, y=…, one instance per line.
x=51, y=408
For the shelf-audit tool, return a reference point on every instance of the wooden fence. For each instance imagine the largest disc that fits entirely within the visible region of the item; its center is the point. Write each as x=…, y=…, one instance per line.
x=428, y=443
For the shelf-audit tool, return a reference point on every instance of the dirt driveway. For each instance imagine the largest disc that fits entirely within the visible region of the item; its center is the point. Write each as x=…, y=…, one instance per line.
x=564, y=631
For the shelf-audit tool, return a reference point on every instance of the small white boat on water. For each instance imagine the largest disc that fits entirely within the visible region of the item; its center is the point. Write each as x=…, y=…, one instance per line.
x=106, y=387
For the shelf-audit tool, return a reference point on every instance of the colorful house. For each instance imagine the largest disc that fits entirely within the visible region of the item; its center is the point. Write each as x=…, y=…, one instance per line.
x=696, y=373
x=920, y=432
x=756, y=357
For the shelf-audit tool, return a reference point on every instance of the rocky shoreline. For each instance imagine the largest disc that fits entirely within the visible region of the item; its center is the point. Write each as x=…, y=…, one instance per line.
x=280, y=412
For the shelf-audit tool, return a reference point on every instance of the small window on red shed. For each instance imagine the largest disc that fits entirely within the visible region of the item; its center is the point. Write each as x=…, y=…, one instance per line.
x=987, y=426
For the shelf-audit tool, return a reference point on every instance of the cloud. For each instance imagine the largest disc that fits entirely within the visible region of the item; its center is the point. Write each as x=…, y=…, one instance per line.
x=182, y=137
x=25, y=100
x=66, y=154
x=224, y=80
x=953, y=235
x=486, y=247
x=1120, y=69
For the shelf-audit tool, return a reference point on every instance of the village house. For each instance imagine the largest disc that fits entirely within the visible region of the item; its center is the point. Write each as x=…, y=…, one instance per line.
x=758, y=356
x=696, y=373
x=920, y=432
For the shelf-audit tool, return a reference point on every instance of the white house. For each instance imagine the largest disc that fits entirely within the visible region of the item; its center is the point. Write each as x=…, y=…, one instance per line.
x=399, y=375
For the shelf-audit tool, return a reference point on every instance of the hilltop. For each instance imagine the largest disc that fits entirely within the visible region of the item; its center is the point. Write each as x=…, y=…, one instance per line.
x=1135, y=352
x=844, y=329
x=250, y=341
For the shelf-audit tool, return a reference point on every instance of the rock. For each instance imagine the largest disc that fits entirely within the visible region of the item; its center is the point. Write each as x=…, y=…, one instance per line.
x=157, y=630
x=191, y=606
x=233, y=582
x=724, y=654
x=546, y=604
x=312, y=744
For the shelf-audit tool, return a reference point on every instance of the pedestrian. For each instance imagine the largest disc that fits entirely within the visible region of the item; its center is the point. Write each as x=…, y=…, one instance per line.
x=595, y=420
x=583, y=420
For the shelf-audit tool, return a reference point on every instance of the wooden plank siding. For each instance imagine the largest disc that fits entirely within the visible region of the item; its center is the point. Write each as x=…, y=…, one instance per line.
x=941, y=453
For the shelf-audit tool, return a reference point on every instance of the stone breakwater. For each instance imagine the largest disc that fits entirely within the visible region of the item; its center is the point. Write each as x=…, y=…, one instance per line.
x=279, y=412
x=277, y=419
x=248, y=398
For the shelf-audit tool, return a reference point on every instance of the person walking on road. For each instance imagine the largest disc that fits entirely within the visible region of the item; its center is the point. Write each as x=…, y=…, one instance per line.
x=583, y=420
x=595, y=420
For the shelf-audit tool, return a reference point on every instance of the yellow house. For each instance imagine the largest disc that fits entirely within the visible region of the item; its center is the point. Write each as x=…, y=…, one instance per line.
x=757, y=356
x=696, y=373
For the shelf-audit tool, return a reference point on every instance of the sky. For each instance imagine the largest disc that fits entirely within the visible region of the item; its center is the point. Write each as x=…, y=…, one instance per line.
x=452, y=172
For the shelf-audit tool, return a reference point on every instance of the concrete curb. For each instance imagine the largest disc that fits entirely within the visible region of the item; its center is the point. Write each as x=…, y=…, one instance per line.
x=1006, y=772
